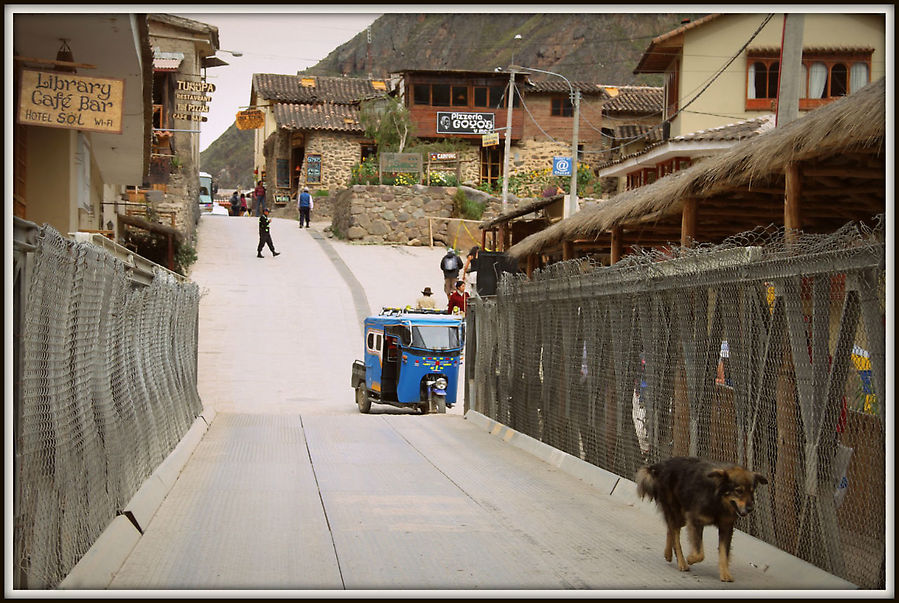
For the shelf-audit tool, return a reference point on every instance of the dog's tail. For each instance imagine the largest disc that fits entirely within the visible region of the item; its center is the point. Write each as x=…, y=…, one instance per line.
x=646, y=483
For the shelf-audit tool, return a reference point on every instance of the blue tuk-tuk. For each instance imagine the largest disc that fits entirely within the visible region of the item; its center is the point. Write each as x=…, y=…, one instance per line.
x=412, y=360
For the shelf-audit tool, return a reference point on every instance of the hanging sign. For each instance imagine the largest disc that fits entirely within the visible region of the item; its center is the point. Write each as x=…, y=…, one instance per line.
x=490, y=140
x=191, y=100
x=250, y=119
x=75, y=102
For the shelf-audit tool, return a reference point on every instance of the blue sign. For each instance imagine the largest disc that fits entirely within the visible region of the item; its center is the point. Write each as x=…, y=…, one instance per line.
x=561, y=166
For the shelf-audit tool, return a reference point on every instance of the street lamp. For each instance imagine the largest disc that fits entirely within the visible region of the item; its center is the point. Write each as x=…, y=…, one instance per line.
x=575, y=95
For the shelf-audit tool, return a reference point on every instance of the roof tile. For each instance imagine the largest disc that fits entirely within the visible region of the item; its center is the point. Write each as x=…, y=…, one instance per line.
x=290, y=88
x=319, y=116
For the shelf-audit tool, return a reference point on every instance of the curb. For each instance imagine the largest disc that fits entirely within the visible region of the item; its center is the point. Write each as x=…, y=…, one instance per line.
x=758, y=553
x=98, y=566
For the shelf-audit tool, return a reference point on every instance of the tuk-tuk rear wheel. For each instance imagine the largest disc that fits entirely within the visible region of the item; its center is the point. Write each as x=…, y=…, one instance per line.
x=441, y=404
x=362, y=400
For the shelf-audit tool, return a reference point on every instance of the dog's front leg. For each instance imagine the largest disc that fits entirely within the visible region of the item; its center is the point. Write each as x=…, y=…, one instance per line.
x=675, y=537
x=725, y=534
x=695, y=531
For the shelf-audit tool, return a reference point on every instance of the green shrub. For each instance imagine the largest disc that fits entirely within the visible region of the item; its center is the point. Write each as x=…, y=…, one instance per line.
x=321, y=193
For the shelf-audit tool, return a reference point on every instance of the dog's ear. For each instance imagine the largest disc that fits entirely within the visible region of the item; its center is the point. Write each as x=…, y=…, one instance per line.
x=760, y=479
x=719, y=475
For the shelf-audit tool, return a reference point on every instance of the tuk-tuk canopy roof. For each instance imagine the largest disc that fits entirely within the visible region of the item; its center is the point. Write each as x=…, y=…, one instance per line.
x=399, y=316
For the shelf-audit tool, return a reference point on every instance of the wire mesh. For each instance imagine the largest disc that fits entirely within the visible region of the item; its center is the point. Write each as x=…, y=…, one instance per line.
x=767, y=350
x=108, y=388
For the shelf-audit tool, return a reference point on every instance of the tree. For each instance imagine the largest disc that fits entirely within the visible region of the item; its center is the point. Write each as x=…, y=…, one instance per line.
x=387, y=121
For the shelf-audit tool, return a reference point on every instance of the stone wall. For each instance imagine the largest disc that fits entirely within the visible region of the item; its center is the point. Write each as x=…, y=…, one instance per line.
x=398, y=214
x=339, y=151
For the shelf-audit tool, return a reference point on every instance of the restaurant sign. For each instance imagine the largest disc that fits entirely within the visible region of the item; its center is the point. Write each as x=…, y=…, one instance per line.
x=75, y=102
x=191, y=100
x=452, y=122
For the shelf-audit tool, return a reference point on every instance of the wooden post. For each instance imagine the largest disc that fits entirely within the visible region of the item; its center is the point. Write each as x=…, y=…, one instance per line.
x=431, y=230
x=792, y=192
x=502, y=238
x=484, y=239
x=532, y=264
x=458, y=172
x=616, y=245
x=567, y=250
x=688, y=223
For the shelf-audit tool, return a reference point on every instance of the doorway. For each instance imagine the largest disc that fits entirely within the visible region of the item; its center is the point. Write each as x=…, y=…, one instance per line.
x=491, y=165
x=296, y=161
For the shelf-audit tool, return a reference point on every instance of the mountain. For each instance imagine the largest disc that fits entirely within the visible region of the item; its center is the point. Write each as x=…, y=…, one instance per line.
x=600, y=47
x=603, y=47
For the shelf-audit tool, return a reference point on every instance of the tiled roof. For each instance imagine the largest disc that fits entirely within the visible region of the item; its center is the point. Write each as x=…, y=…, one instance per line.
x=665, y=47
x=627, y=132
x=831, y=50
x=290, y=88
x=319, y=116
x=561, y=86
x=636, y=99
x=735, y=131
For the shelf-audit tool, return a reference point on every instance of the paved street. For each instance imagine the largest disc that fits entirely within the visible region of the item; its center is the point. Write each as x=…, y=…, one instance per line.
x=293, y=488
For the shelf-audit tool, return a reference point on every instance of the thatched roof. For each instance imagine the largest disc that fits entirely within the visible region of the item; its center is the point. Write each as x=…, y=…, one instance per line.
x=521, y=211
x=851, y=123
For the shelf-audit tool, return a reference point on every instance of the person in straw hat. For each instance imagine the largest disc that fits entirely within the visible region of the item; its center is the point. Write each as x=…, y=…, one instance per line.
x=426, y=302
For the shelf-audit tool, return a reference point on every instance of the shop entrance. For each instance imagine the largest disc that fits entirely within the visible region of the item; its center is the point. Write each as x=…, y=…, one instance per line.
x=296, y=161
x=491, y=165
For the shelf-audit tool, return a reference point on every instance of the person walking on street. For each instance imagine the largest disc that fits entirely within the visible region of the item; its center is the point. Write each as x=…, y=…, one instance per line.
x=471, y=268
x=265, y=235
x=450, y=264
x=426, y=302
x=235, y=203
x=242, y=210
x=304, y=204
x=259, y=196
x=458, y=300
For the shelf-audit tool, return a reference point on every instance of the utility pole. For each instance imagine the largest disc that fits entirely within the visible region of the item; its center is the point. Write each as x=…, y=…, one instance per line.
x=572, y=206
x=790, y=69
x=508, y=150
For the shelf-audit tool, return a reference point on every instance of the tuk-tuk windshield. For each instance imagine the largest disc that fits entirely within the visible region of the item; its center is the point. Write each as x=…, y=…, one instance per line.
x=435, y=337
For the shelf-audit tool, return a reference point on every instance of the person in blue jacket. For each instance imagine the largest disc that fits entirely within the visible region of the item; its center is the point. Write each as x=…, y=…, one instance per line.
x=304, y=204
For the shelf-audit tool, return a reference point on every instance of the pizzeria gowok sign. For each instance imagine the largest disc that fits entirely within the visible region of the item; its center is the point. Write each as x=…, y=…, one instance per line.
x=65, y=100
x=451, y=122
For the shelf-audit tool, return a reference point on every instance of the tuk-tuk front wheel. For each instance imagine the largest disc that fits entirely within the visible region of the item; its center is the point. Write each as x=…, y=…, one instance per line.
x=362, y=400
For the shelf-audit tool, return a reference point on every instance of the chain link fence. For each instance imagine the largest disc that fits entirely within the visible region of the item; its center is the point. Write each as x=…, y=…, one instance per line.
x=105, y=389
x=767, y=350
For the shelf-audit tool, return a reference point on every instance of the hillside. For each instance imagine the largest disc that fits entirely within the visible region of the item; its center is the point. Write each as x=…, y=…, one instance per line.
x=584, y=46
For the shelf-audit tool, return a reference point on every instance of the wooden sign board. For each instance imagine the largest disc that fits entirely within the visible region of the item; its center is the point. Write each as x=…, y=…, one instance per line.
x=489, y=140
x=251, y=119
x=400, y=162
x=75, y=102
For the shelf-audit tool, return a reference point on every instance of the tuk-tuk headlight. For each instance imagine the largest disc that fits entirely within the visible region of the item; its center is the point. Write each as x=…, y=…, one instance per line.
x=440, y=383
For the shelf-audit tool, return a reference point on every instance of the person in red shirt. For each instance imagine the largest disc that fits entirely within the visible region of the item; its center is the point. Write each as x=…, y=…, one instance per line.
x=458, y=298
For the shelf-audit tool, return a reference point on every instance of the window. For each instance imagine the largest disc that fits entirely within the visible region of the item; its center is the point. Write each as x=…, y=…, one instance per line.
x=822, y=78
x=440, y=95
x=561, y=106
x=496, y=96
x=421, y=94
x=436, y=338
x=763, y=79
x=460, y=96
x=480, y=96
x=368, y=152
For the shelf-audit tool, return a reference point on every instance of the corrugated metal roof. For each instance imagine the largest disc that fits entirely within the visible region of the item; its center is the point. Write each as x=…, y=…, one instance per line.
x=165, y=60
x=290, y=88
x=318, y=116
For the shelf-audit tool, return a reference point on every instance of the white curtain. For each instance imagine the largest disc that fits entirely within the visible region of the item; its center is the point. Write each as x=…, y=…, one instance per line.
x=750, y=88
x=858, y=77
x=803, y=82
x=817, y=80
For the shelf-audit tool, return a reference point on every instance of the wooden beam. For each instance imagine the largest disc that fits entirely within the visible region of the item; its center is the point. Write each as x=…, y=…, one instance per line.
x=792, y=192
x=866, y=173
x=616, y=244
x=688, y=223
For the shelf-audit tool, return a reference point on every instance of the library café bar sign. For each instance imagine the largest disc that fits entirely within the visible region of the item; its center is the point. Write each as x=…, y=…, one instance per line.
x=64, y=100
x=191, y=100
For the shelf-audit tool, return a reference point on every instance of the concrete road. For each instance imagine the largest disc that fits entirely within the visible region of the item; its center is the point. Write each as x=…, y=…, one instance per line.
x=291, y=488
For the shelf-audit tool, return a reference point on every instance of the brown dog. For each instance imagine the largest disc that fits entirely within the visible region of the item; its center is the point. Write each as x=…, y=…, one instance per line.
x=696, y=493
